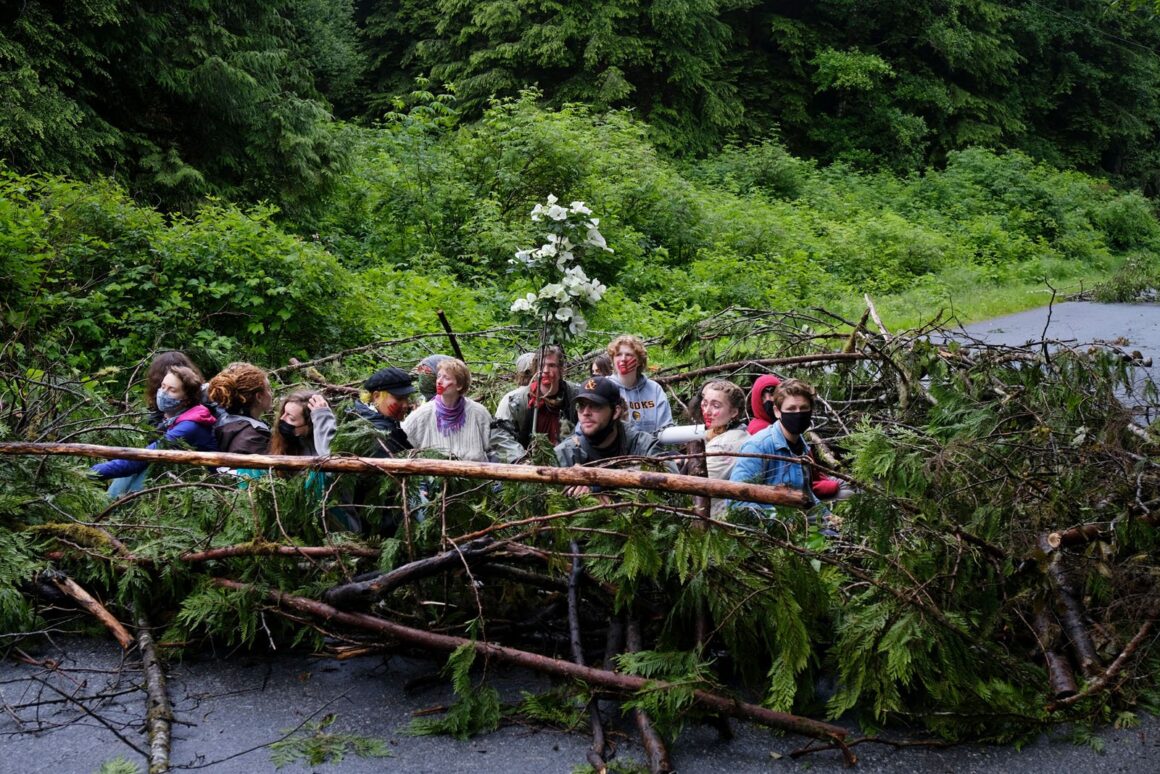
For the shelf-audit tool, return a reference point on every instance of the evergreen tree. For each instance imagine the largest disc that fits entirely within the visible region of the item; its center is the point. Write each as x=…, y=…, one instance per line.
x=179, y=100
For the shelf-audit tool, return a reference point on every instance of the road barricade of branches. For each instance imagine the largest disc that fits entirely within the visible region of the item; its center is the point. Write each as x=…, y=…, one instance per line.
x=994, y=573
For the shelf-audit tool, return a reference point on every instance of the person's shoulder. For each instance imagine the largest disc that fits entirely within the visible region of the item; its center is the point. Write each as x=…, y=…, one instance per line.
x=477, y=408
x=760, y=439
x=730, y=439
x=571, y=442
x=516, y=394
x=419, y=415
x=637, y=438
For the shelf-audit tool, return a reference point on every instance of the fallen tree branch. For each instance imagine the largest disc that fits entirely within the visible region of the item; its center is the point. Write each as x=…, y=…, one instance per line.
x=1060, y=680
x=654, y=746
x=71, y=588
x=825, y=357
x=614, y=681
x=595, y=756
x=1113, y=669
x=158, y=714
x=1071, y=616
x=366, y=591
x=276, y=549
x=573, y=476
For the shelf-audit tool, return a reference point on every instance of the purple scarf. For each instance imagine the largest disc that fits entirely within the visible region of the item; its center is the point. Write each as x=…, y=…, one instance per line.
x=450, y=420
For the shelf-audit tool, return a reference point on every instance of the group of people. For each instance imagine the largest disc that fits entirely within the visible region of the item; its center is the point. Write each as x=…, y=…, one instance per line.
x=617, y=411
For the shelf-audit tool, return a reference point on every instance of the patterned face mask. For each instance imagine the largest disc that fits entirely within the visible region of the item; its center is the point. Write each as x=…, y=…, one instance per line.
x=166, y=402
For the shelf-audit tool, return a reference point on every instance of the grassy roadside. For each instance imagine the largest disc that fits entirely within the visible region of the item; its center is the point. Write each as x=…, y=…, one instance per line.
x=961, y=293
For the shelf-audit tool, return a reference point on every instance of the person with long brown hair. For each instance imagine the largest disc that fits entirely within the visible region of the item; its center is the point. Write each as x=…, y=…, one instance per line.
x=242, y=391
x=158, y=367
x=187, y=423
x=723, y=411
x=306, y=426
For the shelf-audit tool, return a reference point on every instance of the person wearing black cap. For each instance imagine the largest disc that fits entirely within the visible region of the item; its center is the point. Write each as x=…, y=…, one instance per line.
x=600, y=433
x=390, y=401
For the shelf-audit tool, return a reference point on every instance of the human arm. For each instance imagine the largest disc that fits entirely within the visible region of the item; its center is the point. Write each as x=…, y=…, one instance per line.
x=178, y=435
x=503, y=433
x=325, y=425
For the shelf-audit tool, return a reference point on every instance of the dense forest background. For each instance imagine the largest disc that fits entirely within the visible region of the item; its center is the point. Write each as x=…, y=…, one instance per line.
x=266, y=178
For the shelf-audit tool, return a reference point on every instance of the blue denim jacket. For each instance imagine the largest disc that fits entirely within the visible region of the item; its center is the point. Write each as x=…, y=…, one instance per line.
x=755, y=470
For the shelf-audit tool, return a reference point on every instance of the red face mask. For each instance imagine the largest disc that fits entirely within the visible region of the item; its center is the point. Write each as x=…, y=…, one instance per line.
x=626, y=366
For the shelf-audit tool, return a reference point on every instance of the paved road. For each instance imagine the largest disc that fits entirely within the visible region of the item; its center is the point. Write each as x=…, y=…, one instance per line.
x=228, y=710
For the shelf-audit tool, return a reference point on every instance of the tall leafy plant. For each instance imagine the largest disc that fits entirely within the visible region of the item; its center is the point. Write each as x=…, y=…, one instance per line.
x=566, y=289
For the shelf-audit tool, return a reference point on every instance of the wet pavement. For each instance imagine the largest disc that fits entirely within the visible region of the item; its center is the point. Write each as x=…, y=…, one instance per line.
x=86, y=707
x=77, y=703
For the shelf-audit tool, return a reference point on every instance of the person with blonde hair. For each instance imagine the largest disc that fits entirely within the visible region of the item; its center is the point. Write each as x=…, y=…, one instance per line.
x=242, y=391
x=451, y=423
x=525, y=368
x=187, y=423
x=648, y=406
x=723, y=411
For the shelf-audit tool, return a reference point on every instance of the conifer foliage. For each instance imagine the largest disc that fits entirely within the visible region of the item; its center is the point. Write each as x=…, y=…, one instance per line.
x=1003, y=532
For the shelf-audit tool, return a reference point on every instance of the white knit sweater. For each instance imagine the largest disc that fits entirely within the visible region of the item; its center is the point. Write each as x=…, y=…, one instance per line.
x=468, y=443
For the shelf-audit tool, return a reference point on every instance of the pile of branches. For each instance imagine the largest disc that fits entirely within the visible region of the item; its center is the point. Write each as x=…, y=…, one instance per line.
x=995, y=573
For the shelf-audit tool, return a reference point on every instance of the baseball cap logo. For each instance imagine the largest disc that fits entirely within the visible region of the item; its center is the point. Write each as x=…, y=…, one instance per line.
x=590, y=384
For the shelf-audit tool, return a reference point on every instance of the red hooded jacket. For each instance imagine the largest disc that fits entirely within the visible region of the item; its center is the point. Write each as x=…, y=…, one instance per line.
x=761, y=418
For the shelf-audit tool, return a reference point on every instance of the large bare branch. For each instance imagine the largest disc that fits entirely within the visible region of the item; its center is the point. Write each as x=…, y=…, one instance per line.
x=573, y=476
x=614, y=681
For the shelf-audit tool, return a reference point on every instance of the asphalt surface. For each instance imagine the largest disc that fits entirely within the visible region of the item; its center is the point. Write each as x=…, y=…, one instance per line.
x=83, y=704
x=76, y=703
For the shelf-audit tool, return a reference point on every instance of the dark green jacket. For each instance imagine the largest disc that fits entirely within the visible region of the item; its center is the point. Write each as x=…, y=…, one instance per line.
x=511, y=429
x=575, y=450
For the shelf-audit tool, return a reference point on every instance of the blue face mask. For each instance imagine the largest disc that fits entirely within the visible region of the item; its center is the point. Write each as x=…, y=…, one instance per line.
x=166, y=402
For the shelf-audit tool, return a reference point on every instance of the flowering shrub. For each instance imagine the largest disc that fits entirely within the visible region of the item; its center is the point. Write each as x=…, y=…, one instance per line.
x=572, y=231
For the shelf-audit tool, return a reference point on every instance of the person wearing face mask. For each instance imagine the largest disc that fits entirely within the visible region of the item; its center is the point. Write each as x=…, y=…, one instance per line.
x=391, y=392
x=648, y=406
x=548, y=397
x=187, y=423
x=600, y=433
x=722, y=411
x=452, y=423
x=425, y=371
x=761, y=403
x=793, y=406
x=306, y=426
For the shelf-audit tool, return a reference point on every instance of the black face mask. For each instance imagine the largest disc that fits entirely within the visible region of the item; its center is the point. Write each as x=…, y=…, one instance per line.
x=286, y=430
x=768, y=406
x=796, y=422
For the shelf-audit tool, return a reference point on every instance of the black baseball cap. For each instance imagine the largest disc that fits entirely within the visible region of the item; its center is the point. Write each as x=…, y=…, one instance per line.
x=600, y=390
x=391, y=379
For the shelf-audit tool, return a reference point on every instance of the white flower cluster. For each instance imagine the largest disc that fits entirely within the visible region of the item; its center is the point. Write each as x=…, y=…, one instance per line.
x=568, y=287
